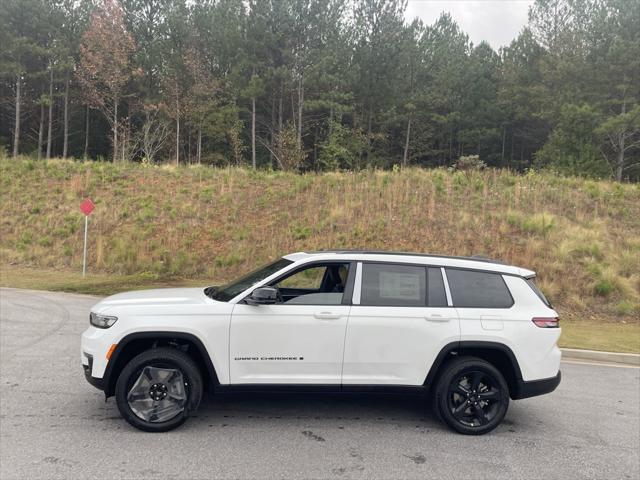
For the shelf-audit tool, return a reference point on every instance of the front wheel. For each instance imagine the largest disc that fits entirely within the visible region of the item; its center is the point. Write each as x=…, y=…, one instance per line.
x=158, y=388
x=471, y=396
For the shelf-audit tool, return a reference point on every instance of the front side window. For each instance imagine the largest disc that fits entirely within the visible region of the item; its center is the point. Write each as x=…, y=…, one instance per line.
x=309, y=278
x=318, y=284
x=474, y=289
x=393, y=285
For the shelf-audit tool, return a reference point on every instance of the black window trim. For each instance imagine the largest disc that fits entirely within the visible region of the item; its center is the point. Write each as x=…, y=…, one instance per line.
x=500, y=274
x=347, y=295
x=352, y=273
x=445, y=279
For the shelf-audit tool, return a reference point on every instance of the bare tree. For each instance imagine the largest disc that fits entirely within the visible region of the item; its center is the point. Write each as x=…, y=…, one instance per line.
x=153, y=135
x=622, y=133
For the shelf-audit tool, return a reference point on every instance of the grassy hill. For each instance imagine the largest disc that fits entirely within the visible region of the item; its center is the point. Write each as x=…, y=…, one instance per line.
x=167, y=225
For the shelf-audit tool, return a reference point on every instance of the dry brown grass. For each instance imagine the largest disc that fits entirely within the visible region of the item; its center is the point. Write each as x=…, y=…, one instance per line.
x=582, y=237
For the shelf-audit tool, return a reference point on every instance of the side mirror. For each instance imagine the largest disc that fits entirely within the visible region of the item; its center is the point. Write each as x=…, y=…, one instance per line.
x=263, y=296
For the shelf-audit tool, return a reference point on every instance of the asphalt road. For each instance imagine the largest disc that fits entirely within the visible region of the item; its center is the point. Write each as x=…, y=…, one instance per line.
x=55, y=425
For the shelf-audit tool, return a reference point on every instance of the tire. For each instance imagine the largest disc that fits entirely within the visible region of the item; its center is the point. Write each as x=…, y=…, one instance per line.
x=158, y=388
x=471, y=396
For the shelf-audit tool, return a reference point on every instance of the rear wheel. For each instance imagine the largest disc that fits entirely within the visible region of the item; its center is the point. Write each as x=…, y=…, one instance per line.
x=158, y=388
x=471, y=396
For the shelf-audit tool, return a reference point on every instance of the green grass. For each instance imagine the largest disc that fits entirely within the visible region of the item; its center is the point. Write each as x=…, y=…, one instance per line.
x=160, y=225
x=608, y=337
x=93, y=284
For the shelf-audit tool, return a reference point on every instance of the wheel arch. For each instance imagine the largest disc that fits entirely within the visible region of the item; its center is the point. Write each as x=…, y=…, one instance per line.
x=498, y=354
x=135, y=343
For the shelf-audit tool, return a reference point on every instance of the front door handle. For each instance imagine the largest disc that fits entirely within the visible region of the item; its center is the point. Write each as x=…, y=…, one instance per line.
x=436, y=317
x=327, y=315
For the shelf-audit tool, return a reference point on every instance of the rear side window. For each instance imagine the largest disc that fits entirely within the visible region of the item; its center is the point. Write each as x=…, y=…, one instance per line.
x=436, y=295
x=478, y=289
x=393, y=285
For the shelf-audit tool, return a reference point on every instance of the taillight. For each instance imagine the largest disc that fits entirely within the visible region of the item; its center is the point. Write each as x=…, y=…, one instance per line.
x=546, y=322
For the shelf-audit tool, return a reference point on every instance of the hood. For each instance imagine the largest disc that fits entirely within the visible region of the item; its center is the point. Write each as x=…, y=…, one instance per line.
x=160, y=296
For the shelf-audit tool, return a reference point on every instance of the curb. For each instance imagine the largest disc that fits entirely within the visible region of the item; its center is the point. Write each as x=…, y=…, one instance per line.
x=611, y=357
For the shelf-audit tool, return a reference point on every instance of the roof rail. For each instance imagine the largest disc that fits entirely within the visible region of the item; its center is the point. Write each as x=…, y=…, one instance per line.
x=484, y=258
x=476, y=258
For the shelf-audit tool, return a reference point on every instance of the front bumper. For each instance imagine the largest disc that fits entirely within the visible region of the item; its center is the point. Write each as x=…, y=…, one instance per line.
x=94, y=345
x=536, y=387
x=96, y=382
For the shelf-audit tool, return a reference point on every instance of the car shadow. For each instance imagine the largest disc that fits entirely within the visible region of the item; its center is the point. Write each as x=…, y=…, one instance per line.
x=343, y=408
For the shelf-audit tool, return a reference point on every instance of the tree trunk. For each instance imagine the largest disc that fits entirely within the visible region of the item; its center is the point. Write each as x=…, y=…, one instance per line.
x=253, y=132
x=273, y=126
x=511, y=154
x=621, y=146
x=280, y=107
x=300, y=104
x=405, y=157
x=331, y=119
x=177, y=131
x=294, y=115
x=199, y=145
x=188, y=145
x=504, y=137
x=41, y=128
x=65, y=143
x=315, y=148
x=115, y=131
x=620, y=159
x=16, y=131
x=86, y=134
x=369, y=130
x=50, y=130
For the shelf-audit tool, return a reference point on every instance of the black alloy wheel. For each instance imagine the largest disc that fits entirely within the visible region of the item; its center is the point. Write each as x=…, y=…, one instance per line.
x=471, y=396
x=474, y=398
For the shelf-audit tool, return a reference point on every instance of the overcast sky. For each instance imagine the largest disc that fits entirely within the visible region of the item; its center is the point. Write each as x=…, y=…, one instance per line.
x=496, y=21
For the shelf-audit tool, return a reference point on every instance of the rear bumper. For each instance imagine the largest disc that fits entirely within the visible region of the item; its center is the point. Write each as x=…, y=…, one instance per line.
x=536, y=387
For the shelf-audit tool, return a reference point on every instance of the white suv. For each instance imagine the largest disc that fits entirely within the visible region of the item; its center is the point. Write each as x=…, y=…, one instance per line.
x=470, y=331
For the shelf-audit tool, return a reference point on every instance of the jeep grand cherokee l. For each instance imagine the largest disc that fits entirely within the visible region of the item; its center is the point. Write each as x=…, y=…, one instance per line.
x=470, y=332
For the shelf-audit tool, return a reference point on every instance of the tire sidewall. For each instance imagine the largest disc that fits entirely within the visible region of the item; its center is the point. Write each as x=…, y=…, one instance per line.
x=453, y=371
x=179, y=360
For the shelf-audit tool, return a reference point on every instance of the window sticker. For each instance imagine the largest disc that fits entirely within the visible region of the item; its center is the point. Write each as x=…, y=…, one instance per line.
x=399, y=285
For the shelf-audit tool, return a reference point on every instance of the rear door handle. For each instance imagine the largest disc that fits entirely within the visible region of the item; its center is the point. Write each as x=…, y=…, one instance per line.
x=436, y=317
x=327, y=315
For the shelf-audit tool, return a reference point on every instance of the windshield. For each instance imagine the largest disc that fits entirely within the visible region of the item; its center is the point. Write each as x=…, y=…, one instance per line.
x=230, y=290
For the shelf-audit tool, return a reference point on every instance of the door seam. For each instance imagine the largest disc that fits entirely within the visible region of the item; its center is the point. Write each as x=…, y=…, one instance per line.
x=344, y=344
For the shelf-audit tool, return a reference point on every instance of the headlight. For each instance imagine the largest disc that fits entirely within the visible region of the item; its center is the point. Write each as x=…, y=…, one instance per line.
x=101, y=321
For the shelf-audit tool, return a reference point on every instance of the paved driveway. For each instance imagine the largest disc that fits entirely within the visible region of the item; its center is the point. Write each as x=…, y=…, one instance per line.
x=55, y=425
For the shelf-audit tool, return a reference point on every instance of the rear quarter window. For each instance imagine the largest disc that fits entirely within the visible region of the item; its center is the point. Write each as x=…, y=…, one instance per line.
x=538, y=292
x=474, y=289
